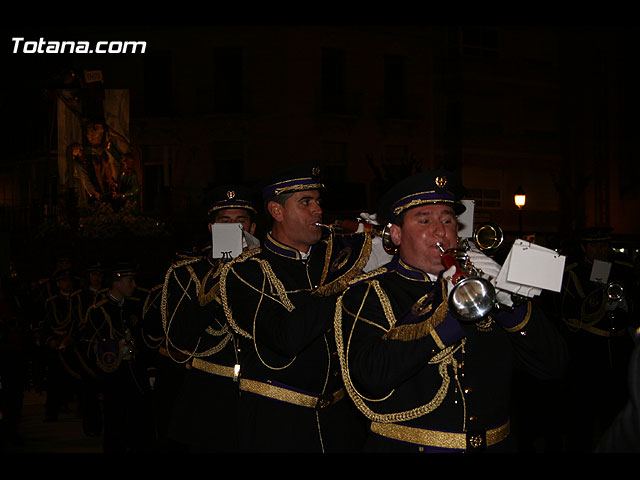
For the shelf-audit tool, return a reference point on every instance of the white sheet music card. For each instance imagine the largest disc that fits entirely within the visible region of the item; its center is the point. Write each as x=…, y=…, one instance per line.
x=600, y=271
x=227, y=240
x=536, y=266
x=501, y=280
x=465, y=219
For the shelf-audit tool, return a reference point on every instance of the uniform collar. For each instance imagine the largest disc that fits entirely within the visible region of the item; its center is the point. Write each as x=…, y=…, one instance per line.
x=114, y=300
x=405, y=270
x=283, y=250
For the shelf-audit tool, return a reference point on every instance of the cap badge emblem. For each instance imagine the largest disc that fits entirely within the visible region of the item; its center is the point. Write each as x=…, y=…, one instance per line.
x=441, y=182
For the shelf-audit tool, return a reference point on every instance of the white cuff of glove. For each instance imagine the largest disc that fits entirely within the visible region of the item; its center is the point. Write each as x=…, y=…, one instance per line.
x=503, y=297
x=488, y=266
x=448, y=275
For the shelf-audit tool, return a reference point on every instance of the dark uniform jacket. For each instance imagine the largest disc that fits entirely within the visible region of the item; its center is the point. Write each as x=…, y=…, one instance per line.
x=600, y=344
x=116, y=351
x=60, y=331
x=199, y=341
x=281, y=306
x=407, y=362
x=113, y=341
x=596, y=334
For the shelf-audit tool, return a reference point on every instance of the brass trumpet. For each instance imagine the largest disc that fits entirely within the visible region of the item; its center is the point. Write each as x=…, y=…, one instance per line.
x=472, y=296
x=352, y=226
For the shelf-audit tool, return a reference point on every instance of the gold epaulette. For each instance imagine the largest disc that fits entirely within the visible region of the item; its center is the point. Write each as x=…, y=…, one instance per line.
x=341, y=283
x=77, y=292
x=368, y=275
x=185, y=261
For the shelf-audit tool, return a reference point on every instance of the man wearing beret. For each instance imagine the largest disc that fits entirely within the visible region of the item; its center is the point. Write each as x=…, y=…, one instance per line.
x=203, y=416
x=280, y=300
x=117, y=352
x=426, y=381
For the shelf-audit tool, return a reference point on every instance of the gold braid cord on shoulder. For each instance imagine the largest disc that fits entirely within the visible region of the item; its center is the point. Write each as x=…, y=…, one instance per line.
x=341, y=283
x=586, y=320
x=277, y=293
x=147, y=303
x=168, y=319
x=444, y=359
x=213, y=294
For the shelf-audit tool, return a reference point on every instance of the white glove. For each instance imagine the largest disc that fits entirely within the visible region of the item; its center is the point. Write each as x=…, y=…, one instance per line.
x=503, y=297
x=448, y=275
x=249, y=242
x=621, y=303
x=489, y=267
x=371, y=218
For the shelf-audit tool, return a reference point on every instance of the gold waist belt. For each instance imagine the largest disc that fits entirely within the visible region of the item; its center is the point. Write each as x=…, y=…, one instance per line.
x=436, y=438
x=290, y=396
x=173, y=355
x=596, y=331
x=215, y=369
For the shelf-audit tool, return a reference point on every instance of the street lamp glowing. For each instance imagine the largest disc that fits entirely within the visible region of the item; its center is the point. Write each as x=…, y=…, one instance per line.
x=520, y=198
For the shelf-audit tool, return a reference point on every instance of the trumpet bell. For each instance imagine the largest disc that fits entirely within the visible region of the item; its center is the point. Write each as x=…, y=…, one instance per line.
x=615, y=291
x=488, y=237
x=471, y=299
x=387, y=243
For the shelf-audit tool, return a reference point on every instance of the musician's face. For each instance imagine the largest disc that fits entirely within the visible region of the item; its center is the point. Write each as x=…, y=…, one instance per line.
x=294, y=222
x=126, y=286
x=597, y=251
x=423, y=227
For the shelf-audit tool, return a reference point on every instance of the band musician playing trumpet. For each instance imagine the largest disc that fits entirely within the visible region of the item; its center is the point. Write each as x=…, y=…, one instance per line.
x=427, y=380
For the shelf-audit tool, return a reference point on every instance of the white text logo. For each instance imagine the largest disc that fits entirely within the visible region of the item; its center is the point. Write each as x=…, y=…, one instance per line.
x=68, y=46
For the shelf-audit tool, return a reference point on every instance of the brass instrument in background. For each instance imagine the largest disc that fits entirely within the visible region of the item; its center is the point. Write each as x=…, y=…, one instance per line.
x=352, y=226
x=615, y=291
x=488, y=237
